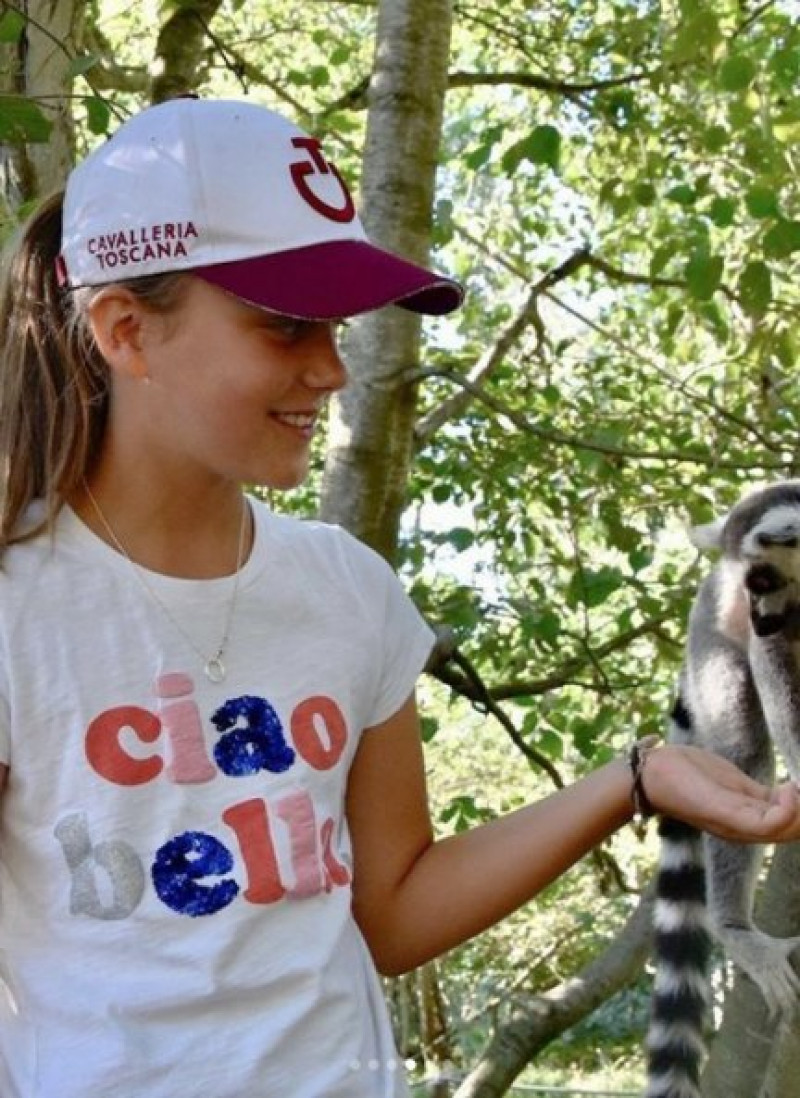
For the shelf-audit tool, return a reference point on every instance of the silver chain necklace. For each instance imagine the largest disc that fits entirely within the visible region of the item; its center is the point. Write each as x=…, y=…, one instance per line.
x=214, y=667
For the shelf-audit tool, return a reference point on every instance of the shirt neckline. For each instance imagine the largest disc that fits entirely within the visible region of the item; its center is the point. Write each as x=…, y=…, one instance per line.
x=75, y=531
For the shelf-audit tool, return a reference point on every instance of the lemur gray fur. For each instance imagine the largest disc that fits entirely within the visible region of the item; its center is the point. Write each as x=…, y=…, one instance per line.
x=739, y=696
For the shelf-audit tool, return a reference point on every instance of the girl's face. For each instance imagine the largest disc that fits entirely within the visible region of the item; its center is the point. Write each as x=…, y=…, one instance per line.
x=232, y=390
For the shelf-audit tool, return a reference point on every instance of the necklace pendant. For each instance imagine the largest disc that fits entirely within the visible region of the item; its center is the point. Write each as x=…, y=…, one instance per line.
x=214, y=669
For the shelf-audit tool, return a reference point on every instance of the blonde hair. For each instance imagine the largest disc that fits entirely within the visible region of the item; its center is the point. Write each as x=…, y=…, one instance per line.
x=54, y=383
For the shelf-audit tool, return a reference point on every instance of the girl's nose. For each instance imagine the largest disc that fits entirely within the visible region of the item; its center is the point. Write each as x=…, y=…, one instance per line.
x=325, y=369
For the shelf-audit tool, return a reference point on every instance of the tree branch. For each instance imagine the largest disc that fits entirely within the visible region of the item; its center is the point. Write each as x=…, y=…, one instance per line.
x=753, y=17
x=476, y=690
x=356, y=98
x=180, y=47
x=471, y=686
x=106, y=74
x=684, y=456
x=457, y=404
x=721, y=413
x=546, y=83
x=539, y=1019
x=528, y=315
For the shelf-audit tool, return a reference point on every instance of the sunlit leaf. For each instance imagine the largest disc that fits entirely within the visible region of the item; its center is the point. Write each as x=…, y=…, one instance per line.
x=755, y=288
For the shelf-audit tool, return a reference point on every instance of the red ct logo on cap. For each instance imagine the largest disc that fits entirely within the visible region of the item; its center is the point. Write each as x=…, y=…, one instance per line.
x=318, y=164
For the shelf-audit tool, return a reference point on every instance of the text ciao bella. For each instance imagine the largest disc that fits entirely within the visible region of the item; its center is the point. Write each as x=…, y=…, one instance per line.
x=283, y=847
x=119, y=248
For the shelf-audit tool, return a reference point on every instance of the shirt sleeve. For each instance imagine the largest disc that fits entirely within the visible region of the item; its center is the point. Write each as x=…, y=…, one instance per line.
x=406, y=643
x=400, y=640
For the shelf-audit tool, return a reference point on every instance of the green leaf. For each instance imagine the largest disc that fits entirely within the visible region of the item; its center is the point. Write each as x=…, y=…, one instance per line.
x=594, y=587
x=717, y=322
x=463, y=812
x=429, y=726
x=81, y=64
x=543, y=624
x=608, y=190
x=740, y=114
x=461, y=538
x=550, y=743
x=640, y=558
x=645, y=194
x=755, y=288
x=697, y=35
x=340, y=55
x=676, y=314
x=722, y=212
x=98, y=115
x=785, y=66
x=737, y=72
x=22, y=120
x=762, y=202
x=716, y=138
x=660, y=258
x=12, y=24
x=703, y=273
x=683, y=194
x=584, y=735
x=543, y=146
x=478, y=157
x=782, y=240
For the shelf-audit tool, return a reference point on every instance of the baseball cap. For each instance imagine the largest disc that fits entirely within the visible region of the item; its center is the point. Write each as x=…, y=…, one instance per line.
x=241, y=197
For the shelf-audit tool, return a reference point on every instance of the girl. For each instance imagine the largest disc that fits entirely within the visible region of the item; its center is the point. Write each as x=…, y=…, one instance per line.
x=213, y=826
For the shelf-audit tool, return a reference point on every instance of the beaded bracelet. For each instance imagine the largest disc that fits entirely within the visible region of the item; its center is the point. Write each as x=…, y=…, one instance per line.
x=637, y=757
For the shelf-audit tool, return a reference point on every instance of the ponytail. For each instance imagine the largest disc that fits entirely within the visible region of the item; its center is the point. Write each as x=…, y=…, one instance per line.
x=54, y=383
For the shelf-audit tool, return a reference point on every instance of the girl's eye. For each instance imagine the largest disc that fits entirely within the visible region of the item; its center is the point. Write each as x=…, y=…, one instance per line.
x=292, y=328
x=289, y=327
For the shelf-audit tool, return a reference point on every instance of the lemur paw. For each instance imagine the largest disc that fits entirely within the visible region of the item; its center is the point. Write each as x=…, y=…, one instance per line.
x=766, y=961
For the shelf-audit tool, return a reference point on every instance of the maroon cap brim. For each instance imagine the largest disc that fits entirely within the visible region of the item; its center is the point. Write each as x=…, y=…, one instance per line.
x=337, y=279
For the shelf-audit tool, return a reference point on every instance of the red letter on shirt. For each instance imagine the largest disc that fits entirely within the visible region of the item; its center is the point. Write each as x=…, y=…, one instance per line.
x=322, y=750
x=106, y=754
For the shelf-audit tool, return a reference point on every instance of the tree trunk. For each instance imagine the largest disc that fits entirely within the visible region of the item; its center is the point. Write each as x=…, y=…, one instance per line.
x=181, y=49
x=542, y=1018
x=38, y=65
x=752, y=1056
x=371, y=434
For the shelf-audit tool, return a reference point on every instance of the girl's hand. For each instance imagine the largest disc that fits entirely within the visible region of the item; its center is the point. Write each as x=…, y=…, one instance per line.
x=711, y=793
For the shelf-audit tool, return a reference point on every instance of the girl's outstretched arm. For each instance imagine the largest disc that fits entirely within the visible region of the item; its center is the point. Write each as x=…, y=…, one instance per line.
x=415, y=898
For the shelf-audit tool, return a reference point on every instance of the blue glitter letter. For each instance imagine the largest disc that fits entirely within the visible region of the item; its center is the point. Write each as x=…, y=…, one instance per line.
x=180, y=865
x=257, y=745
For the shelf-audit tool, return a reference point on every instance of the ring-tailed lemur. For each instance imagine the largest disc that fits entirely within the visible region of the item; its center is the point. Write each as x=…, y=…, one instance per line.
x=739, y=696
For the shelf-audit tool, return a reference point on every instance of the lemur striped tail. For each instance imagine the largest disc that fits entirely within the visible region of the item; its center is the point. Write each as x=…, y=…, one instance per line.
x=680, y=1000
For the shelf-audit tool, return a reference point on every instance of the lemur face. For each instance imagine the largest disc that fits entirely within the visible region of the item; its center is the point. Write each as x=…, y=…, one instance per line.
x=762, y=537
x=765, y=526
x=774, y=542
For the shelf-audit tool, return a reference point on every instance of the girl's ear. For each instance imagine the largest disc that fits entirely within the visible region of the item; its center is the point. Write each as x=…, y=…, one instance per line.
x=118, y=320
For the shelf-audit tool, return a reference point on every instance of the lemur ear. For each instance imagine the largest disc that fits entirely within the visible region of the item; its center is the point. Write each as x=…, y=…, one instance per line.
x=707, y=537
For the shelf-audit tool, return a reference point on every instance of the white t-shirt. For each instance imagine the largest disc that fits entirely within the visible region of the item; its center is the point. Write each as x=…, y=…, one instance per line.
x=175, y=903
